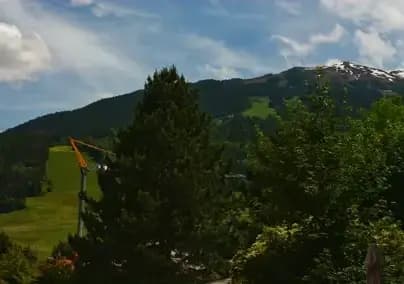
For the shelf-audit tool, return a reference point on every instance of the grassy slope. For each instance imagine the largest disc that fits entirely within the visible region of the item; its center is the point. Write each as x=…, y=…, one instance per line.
x=259, y=108
x=49, y=218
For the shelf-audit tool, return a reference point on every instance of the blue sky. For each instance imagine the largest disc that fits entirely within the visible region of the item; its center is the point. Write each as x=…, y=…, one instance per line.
x=62, y=54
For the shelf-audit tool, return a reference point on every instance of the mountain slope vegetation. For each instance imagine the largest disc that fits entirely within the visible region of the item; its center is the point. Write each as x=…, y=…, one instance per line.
x=223, y=98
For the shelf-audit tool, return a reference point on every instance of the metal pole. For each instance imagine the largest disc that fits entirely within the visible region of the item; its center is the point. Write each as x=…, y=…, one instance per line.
x=83, y=188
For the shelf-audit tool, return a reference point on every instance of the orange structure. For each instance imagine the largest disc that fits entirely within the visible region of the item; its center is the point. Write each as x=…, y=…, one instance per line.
x=83, y=171
x=80, y=159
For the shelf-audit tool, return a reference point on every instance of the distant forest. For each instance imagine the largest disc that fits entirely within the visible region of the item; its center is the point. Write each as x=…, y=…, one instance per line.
x=23, y=160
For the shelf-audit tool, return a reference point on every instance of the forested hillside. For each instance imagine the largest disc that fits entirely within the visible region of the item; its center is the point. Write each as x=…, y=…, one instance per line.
x=223, y=98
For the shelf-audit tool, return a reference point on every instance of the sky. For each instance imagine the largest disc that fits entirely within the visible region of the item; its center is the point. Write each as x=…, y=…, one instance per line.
x=62, y=54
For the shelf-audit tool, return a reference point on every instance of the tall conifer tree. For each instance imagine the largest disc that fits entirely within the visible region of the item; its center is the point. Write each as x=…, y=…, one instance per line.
x=158, y=192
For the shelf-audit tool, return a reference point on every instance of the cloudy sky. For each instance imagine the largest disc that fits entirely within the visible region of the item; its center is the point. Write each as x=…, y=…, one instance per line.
x=62, y=54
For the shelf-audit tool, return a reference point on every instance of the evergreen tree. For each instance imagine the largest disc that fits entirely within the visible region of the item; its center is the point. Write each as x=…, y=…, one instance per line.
x=158, y=195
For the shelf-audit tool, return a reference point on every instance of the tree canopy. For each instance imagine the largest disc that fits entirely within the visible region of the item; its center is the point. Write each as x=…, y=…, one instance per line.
x=152, y=220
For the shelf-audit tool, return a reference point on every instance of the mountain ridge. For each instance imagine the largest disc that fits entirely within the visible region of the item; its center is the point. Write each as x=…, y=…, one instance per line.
x=224, y=97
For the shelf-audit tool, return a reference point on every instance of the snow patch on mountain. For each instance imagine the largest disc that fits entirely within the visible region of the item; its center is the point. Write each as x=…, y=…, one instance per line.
x=352, y=71
x=340, y=66
x=358, y=71
x=382, y=74
x=398, y=73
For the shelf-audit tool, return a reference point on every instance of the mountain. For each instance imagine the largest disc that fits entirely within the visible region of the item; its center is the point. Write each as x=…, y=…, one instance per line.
x=221, y=98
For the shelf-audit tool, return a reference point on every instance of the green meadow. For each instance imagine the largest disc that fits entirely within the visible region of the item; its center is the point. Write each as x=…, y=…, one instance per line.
x=49, y=219
x=259, y=107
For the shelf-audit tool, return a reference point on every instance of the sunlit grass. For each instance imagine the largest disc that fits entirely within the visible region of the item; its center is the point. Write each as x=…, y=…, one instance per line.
x=259, y=108
x=50, y=218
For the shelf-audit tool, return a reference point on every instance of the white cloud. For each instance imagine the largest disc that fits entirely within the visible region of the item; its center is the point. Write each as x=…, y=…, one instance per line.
x=100, y=65
x=291, y=7
x=214, y=58
x=334, y=36
x=102, y=9
x=21, y=55
x=373, y=49
x=81, y=2
x=74, y=48
x=108, y=8
x=384, y=16
x=218, y=72
x=293, y=48
x=399, y=43
x=379, y=26
x=217, y=9
x=332, y=61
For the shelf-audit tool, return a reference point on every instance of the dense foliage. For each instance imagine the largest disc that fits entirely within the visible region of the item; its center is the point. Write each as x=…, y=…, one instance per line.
x=322, y=187
x=17, y=264
x=155, y=219
x=22, y=168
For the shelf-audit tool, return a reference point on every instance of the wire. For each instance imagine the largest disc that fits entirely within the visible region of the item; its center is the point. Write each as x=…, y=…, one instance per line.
x=80, y=159
x=93, y=146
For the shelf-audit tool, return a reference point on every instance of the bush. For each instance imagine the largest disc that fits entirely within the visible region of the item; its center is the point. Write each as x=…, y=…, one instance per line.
x=17, y=265
x=56, y=273
x=269, y=257
x=5, y=243
x=60, y=267
x=63, y=249
x=386, y=233
x=9, y=204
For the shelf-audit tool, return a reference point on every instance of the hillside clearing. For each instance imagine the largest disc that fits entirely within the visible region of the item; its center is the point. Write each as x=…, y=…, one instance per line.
x=50, y=218
x=259, y=108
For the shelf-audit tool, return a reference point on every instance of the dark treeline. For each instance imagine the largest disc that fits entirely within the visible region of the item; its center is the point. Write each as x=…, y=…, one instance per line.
x=23, y=160
x=218, y=98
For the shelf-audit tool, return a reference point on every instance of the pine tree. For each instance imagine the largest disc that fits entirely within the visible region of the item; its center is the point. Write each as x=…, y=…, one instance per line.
x=158, y=193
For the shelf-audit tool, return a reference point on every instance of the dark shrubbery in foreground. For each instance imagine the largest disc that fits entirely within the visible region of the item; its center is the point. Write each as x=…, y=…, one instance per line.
x=17, y=264
x=22, y=168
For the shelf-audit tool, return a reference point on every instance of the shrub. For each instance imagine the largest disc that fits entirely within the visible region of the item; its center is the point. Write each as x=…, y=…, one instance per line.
x=17, y=264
